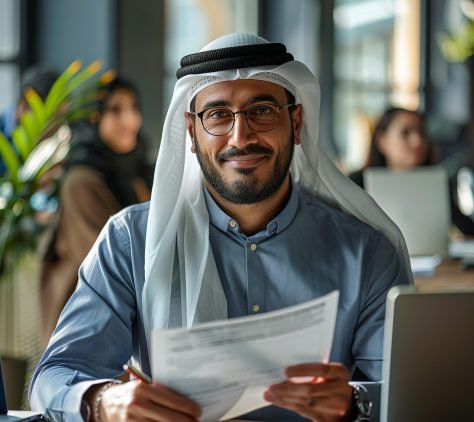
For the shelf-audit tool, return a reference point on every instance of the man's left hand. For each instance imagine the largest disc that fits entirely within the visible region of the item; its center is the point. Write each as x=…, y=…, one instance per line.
x=323, y=396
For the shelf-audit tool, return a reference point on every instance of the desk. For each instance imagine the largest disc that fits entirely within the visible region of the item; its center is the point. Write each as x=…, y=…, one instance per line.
x=16, y=415
x=449, y=273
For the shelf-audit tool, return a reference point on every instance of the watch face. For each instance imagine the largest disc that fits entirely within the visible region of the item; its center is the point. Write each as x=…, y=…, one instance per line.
x=364, y=407
x=363, y=402
x=85, y=411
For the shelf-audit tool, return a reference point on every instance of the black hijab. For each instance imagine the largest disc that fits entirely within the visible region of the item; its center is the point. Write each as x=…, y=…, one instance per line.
x=118, y=170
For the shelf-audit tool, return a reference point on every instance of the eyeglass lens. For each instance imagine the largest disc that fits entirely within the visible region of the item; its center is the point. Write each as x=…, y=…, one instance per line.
x=260, y=118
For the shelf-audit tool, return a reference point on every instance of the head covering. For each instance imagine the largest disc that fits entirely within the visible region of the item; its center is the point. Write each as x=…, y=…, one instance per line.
x=40, y=77
x=182, y=285
x=118, y=170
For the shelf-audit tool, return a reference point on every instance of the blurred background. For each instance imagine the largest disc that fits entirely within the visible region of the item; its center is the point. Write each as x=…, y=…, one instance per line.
x=367, y=54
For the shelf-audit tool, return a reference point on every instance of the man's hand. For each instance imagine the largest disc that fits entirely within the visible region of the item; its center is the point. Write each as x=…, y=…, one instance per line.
x=324, y=397
x=139, y=401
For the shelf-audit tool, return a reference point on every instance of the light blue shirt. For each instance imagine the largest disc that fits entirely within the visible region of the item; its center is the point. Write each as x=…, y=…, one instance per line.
x=308, y=250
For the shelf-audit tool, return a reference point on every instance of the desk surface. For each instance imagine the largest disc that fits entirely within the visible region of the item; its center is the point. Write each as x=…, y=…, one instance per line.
x=450, y=273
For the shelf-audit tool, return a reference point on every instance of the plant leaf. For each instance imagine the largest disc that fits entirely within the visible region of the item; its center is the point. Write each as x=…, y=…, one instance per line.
x=54, y=96
x=10, y=158
x=32, y=130
x=21, y=142
x=37, y=106
x=83, y=76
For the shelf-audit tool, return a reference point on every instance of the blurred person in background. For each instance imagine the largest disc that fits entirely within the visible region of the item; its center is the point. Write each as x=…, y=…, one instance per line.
x=106, y=170
x=40, y=78
x=400, y=142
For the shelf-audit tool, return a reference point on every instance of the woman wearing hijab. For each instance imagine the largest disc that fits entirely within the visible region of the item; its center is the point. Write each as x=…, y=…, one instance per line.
x=106, y=171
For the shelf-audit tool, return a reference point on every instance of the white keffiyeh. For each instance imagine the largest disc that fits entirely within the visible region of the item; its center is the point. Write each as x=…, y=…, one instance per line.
x=182, y=285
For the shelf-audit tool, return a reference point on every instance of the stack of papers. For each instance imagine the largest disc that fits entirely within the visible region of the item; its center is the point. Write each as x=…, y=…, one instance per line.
x=225, y=366
x=424, y=266
x=462, y=248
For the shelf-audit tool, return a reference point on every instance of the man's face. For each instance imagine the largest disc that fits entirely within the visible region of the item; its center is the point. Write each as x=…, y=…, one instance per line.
x=245, y=166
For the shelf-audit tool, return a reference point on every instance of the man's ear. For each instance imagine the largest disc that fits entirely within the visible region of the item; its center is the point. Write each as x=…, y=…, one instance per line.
x=190, y=119
x=297, y=118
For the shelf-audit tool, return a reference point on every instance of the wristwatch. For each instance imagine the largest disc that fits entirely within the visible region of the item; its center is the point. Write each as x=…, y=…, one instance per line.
x=85, y=411
x=361, y=404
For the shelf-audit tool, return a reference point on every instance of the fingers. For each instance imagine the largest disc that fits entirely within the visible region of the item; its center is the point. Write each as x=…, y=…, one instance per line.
x=139, y=401
x=320, y=409
x=140, y=410
x=163, y=396
x=328, y=371
x=318, y=391
x=289, y=388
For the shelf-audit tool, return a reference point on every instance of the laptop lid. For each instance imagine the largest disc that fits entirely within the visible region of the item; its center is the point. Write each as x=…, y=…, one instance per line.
x=5, y=416
x=428, y=367
x=3, y=399
x=418, y=202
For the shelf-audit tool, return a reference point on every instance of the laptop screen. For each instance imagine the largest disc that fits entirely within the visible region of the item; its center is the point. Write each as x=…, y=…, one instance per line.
x=3, y=399
x=418, y=202
x=428, y=367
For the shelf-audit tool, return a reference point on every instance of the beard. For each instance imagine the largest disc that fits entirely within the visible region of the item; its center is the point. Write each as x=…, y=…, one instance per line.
x=248, y=189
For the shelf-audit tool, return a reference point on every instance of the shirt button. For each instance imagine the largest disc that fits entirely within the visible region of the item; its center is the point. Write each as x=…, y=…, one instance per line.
x=255, y=308
x=253, y=246
x=232, y=224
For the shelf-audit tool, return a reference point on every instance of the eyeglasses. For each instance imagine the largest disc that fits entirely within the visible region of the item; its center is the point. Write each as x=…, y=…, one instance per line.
x=220, y=121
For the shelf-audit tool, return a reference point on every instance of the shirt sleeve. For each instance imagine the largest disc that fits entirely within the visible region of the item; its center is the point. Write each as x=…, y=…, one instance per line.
x=93, y=338
x=383, y=269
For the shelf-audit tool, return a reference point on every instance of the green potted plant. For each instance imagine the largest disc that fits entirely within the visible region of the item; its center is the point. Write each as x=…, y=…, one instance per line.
x=40, y=142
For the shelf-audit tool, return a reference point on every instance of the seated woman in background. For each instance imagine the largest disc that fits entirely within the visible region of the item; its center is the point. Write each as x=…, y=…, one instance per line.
x=399, y=142
x=106, y=170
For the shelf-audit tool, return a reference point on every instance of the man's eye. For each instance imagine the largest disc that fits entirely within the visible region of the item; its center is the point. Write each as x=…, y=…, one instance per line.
x=218, y=114
x=261, y=111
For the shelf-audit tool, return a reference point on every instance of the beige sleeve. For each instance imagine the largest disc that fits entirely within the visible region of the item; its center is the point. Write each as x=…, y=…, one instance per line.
x=86, y=203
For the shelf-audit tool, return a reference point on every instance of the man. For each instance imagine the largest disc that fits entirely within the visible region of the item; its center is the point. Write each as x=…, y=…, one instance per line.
x=40, y=78
x=237, y=234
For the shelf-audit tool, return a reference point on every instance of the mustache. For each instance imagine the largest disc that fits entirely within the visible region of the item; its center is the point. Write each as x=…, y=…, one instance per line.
x=233, y=152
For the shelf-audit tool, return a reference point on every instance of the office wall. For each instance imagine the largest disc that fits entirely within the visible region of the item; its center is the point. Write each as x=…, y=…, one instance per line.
x=67, y=30
x=124, y=35
x=140, y=58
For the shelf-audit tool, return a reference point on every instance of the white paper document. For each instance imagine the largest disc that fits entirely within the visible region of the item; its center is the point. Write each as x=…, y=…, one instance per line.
x=225, y=366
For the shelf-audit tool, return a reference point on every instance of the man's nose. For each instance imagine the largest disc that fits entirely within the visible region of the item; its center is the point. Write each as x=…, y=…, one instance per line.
x=241, y=134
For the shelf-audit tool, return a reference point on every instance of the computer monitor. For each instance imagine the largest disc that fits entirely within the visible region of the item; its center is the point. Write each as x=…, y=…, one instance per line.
x=428, y=368
x=418, y=202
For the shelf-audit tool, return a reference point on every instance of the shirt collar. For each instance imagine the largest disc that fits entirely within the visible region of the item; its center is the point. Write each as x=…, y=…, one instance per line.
x=224, y=222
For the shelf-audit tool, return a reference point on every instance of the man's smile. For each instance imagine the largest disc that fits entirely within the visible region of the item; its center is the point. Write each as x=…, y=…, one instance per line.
x=245, y=161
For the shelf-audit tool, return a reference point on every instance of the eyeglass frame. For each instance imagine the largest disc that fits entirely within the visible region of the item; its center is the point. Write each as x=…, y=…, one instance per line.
x=278, y=107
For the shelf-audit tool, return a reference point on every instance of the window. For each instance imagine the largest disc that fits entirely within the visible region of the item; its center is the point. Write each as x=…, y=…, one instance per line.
x=9, y=52
x=193, y=23
x=376, y=63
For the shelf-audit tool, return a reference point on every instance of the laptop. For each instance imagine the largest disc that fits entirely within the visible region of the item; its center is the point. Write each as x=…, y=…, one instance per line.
x=5, y=415
x=428, y=367
x=418, y=202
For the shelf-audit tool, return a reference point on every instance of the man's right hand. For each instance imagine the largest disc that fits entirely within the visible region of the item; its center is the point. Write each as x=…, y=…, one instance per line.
x=139, y=401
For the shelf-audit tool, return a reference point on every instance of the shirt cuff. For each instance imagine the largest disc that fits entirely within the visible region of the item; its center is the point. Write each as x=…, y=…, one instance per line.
x=71, y=408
